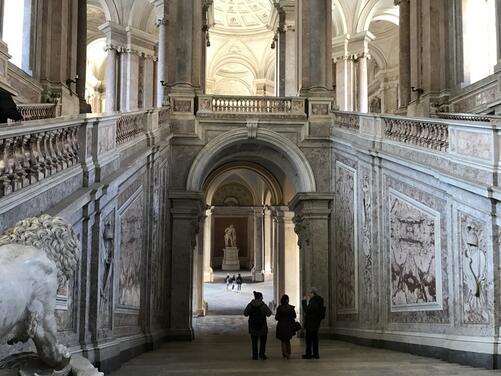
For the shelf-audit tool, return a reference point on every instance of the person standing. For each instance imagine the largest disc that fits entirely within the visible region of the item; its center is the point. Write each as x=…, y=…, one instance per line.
x=8, y=108
x=257, y=312
x=286, y=317
x=233, y=280
x=239, y=282
x=227, y=281
x=314, y=311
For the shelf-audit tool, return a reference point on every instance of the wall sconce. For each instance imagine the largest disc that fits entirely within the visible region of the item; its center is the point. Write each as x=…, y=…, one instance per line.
x=417, y=90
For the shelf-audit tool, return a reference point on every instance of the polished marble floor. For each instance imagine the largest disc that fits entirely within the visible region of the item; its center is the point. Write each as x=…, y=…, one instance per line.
x=222, y=348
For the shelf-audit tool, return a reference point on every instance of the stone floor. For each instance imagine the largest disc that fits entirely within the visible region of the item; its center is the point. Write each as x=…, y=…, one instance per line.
x=232, y=302
x=221, y=348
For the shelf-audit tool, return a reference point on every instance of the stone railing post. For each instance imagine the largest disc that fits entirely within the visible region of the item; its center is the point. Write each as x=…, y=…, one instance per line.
x=104, y=146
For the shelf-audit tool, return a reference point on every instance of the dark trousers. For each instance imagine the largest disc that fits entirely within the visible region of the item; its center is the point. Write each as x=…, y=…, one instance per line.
x=262, y=345
x=312, y=343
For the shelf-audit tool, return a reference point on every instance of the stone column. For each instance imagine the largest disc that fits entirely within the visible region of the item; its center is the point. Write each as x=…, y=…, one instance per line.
x=287, y=262
x=162, y=60
x=363, y=84
x=280, y=62
x=257, y=270
x=208, y=272
x=56, y=28
x=314, y=22
x=111, y=79
x=82, y=55
x=498, y=36
x=185, y=54
x=130, y=79
x=311, y=224
x=2, y=7
x=345, y=73
x=404, y=29
x=148, y=84
x=267, y=241
x=345, y=81
x=186, y=208
x=198, y=272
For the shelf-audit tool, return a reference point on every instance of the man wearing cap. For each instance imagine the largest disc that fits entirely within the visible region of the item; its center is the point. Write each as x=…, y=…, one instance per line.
x=257, y=312
x=314, y=313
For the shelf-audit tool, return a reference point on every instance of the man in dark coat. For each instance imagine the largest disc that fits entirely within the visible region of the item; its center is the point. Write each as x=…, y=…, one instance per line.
x=314, y=312
x=257, y=312
x=8, y=109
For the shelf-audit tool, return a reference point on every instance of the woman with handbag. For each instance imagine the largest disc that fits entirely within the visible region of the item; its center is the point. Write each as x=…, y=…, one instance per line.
x=286, y=317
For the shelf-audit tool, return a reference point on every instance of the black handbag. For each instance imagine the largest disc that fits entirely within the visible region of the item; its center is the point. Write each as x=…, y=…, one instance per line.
x=297, y=326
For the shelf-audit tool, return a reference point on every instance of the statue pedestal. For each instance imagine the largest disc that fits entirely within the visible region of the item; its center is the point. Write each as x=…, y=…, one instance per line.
x=231, y=261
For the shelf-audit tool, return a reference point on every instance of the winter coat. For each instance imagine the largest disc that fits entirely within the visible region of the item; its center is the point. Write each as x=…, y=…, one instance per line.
x=8, y=109
x=286, y=317
x=314, y=312
x=264, y=309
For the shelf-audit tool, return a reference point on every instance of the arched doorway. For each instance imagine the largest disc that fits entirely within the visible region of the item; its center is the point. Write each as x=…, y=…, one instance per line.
x=248, y=183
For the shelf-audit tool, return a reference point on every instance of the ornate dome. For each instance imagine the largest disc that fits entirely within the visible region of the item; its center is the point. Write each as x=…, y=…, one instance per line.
x=242, y=15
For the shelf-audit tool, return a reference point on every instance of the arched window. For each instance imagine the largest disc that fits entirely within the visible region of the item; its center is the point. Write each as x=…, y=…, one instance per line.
x=479, y=39
x=16, y=31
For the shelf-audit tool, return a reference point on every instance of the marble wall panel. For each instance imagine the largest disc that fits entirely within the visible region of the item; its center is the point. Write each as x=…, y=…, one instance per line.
x=366, y=253
x=416, y=257
x=106, y=270
x=473, y=267
x=415, y=252
x=346, y=239
x=131, y=247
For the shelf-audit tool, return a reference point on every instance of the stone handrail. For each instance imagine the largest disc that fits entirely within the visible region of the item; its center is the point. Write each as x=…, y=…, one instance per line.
x=37, y=111
x=421, y=132
x=129, y=126
x=30, y=154
x=349, y=120
x=252, y=105
x=468, y=117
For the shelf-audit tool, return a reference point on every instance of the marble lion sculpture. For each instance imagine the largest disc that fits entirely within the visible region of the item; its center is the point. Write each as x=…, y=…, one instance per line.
x=37, y=256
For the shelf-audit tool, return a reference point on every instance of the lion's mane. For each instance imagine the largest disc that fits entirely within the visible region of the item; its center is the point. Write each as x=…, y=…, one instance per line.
x=54, y=236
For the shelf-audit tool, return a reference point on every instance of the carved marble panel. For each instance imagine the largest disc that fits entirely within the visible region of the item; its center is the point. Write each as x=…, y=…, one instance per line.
x=415, y=255
x=131, y=246
x=474, y=278
x=366, y=253
x=346, y=243
x=107, y=261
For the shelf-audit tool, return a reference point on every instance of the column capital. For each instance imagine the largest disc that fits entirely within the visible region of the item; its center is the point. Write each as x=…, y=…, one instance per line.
x=311, y=204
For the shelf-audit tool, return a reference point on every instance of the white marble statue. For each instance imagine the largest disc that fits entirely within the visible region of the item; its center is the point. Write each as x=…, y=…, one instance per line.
x=37, y=257
x=230, y=236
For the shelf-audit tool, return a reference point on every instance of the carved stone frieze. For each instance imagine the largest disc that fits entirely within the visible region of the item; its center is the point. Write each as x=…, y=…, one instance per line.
x=346, y=244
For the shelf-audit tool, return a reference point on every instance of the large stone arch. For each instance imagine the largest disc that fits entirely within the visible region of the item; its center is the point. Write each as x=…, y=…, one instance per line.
x=211, y=153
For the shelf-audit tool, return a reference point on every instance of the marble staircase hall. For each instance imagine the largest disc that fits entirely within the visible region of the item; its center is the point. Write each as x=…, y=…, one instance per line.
x=131, y=185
